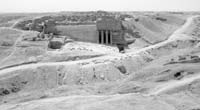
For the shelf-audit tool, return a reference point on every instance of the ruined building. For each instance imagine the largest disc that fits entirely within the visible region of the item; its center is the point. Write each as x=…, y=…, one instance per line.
x=110, y=31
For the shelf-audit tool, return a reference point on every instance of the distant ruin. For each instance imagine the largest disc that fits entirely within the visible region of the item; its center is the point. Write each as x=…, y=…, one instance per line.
x=102, y=28
x=110, y=31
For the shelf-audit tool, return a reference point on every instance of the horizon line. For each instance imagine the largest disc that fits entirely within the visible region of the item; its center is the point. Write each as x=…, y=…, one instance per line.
x=35, y=12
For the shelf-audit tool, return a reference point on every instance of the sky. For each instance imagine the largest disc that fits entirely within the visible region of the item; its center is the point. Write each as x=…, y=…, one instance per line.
x=94, y=5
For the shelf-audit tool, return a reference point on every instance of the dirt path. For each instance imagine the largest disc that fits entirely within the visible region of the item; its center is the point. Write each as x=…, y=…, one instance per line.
x=35, y=65
x=170, y=86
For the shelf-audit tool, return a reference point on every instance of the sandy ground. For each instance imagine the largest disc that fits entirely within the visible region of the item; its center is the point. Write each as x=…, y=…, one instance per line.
x=161, y=76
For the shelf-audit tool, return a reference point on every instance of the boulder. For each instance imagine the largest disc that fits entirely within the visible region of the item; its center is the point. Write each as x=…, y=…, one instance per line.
x=56, y=43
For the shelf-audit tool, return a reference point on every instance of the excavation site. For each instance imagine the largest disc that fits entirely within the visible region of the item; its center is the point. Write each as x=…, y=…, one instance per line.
x=100, y=60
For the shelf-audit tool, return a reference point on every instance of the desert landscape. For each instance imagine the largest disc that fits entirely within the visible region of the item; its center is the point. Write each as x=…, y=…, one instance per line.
x=158, y=70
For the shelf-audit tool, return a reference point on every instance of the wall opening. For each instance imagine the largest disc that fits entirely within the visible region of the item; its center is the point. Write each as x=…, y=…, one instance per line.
x=104, y=37
x=100, y=37
x=109, y=37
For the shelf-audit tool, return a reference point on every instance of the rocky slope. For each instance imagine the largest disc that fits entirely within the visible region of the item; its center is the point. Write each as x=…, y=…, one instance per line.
x=161, y=76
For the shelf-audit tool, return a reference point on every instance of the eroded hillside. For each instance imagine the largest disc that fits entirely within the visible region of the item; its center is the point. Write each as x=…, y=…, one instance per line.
x=159, y=71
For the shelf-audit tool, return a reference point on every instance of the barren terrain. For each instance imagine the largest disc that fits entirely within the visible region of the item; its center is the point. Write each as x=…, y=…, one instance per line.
x=159, y=71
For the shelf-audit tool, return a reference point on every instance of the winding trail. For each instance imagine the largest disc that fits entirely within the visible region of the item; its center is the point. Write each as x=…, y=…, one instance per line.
x=170, y=86
x=35, y=65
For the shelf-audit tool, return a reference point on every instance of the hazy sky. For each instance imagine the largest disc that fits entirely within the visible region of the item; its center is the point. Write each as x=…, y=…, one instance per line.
x=93, y=5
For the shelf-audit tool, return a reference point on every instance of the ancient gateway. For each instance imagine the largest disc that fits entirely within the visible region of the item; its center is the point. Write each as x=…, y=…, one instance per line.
x=110, y=31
